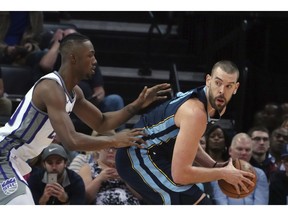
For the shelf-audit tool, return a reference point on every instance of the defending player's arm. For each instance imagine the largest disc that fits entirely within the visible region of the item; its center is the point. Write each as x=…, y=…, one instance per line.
x=100, y=122
x=49, y=97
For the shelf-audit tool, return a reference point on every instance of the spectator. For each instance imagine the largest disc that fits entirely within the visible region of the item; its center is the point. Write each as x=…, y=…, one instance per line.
x=279, y=137
x=20, y=34
x=216, y=145
x=5, y=103
x=284, y=112
x=260, y=150
x=268, y=117
x=241, y=148
x=278, y=189
x=68, y=187
x=86, y=157
x=203, y=142
x=285, y=122
x=103, y=184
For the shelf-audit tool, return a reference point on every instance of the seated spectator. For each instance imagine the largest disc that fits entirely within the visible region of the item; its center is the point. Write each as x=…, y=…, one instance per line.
x=216, y=145
x=260, y=150
x=5, y=103
x=103, y=184
x=68, y=187
x=83, y=158
x=279, y=137
x=278, y=189
x=241, y=148
x=20, y=34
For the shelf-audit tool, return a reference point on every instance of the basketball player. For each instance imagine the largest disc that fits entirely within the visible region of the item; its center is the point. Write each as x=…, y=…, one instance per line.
x=44, y=112
x=162, y=173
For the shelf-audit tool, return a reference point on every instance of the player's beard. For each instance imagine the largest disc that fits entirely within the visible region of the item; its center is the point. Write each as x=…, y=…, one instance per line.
x=212, y=101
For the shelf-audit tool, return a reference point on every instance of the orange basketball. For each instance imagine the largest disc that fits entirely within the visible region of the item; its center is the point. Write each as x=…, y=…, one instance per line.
x=229, y=189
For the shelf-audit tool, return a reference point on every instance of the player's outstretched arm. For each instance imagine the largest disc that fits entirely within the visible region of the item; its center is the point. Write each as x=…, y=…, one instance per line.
x=49, y=97
x=100, y=122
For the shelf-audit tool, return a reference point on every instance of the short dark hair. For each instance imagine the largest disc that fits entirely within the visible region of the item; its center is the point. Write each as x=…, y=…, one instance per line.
x=227, y=66
x=258, y=128
x=70, y=39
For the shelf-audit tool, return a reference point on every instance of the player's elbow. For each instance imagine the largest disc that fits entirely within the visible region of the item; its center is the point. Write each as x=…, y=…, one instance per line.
x=178, y=176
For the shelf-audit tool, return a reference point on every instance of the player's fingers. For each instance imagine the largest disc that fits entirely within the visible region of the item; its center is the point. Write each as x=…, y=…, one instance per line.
x=248, y=174
x=137, y=130
x=244, y=187
x=248, y=181
x=237, y=189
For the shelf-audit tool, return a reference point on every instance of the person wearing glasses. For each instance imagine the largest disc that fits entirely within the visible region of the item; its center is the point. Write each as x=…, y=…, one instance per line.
x=260, y=150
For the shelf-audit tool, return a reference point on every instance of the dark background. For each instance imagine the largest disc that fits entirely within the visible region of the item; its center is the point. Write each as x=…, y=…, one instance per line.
x=256, y=41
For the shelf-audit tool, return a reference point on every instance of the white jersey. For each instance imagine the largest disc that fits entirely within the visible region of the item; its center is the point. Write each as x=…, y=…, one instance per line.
x=29, y=130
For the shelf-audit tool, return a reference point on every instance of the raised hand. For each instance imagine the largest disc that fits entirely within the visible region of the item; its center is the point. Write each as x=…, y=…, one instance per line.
x=154, y=93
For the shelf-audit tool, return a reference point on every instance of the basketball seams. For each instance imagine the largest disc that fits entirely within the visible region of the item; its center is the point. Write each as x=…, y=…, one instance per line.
x=229, y=189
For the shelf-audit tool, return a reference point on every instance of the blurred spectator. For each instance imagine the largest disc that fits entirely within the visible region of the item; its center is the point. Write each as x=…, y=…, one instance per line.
x=66, y=188
x=268, y=117
x=5, y=103
x=20, y=34
x=203, y=142
x=103, y=184
x=284, y=112
x=260, y=150
x=285, y=123
x=278, y=189
x=279, y=137
x=241, y=148
x=216, y=145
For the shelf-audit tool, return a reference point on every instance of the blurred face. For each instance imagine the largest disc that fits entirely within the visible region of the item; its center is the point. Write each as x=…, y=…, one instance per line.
x=241, y=150
x=107, y=156
x=279, y=137
x=216, y=140
x=85, y=60
x=221, y=87
x=203, y=142
x=55, y=164
x=260, y=142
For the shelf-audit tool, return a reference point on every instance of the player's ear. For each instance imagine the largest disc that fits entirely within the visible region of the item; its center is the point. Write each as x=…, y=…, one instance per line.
x=208, y=80
x=237, y=86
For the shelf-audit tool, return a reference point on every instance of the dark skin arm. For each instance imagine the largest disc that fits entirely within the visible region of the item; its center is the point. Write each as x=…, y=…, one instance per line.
x=102, y=122
x=49, y=97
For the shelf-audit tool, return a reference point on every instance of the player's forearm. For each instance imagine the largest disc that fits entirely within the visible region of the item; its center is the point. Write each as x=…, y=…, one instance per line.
x=83, y=142
x=114, y=119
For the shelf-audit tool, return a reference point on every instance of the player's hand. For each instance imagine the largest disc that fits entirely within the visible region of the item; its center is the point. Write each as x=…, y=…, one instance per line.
x=237, y=177
x=129, y=138
x=149, y=95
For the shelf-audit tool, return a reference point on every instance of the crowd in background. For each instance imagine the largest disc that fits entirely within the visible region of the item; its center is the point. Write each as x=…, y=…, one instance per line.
x=91, y=177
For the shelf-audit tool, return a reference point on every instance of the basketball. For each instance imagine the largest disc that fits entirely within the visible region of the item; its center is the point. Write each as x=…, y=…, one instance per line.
x=229, y=189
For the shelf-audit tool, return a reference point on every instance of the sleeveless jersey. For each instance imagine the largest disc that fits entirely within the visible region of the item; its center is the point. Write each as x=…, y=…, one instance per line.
x=148, y=170
x=29, y=130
